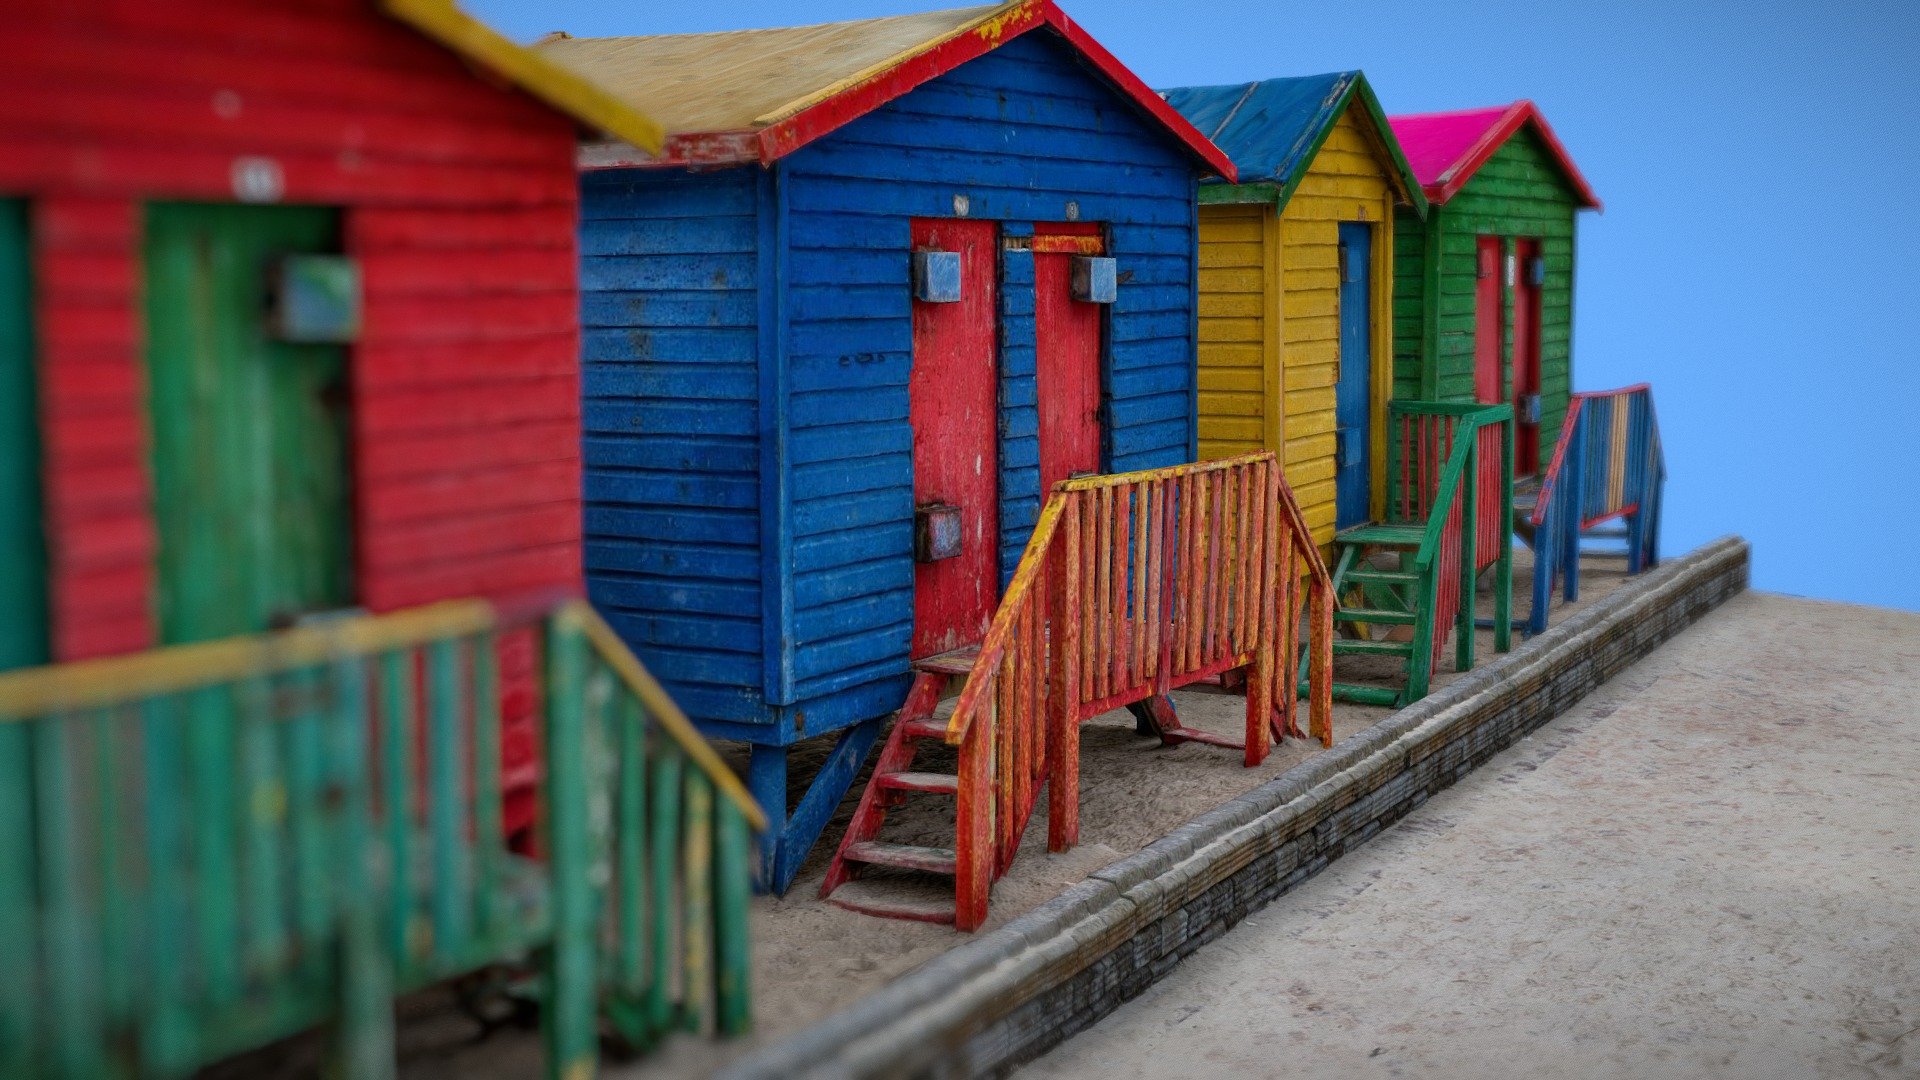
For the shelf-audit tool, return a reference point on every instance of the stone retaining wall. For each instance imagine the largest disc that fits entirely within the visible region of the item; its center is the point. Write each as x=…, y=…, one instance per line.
x=1010, y=995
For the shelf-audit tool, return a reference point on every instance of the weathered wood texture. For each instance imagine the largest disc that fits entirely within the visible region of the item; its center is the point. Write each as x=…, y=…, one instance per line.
x=1133, y=585
x=788, y=609
x=207, y=847
x=456, y=195
x=1520, y=192
x=1608, y=465
x=1270, y=295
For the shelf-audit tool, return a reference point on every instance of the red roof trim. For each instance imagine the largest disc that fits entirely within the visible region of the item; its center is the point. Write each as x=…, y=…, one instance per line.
x=1519, y=113
x=783, y=138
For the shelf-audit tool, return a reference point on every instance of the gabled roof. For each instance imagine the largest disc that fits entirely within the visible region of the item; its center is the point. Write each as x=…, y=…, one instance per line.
x=593, y=108
x=1273, y=128
x=758, y=95
x=1446, y=149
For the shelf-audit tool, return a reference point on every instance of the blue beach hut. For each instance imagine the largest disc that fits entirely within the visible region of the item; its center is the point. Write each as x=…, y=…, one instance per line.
x=888, y=281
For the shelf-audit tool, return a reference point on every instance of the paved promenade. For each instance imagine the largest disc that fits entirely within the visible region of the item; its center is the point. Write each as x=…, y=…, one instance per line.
x=1710, y=867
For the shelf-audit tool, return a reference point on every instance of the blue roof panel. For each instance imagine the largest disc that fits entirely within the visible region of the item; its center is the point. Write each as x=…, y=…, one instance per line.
x=1266, y=127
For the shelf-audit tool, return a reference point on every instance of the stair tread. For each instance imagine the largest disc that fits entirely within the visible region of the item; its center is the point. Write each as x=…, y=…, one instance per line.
x=1352, y=647
x=953, y=662
x=896, y=900
x=1384, y=577
x=926, y=729
x=1379, y=615
x=907, y=856
x=1365, y=695
x=1390, y=535
x=933, y=782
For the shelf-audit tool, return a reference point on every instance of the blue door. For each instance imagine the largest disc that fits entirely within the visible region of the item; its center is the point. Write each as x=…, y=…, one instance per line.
x=1353, y=405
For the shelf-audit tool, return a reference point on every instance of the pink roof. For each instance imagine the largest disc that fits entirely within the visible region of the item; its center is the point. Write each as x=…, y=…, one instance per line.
x=1446, y=149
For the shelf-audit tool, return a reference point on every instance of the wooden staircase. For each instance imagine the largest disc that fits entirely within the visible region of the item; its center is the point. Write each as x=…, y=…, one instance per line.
x=1131, y=586
x=1373, y=592
x=1418, y=569
x=895, y=781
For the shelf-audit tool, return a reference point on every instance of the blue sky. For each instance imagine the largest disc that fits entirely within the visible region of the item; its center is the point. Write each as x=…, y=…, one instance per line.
x=1758, y=259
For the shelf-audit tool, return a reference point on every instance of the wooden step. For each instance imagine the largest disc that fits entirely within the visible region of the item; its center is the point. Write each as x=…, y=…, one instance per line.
x=956, y=662
x=925, y=729
x=1351, y=647
x=1373, y=615
x=1381, y=577
x=933, y=783
x=1366, y=695
x=895, y=900
x=1383, y=535
x=906, y=856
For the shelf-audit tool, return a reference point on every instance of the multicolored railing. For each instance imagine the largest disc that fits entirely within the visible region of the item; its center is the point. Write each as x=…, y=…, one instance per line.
x=1607, y=464
x=206, y=847
x=1449, y=464
x=1131, y=585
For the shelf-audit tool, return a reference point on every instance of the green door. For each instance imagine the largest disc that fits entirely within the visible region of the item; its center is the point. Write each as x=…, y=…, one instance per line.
x=23, y=554
x=249, y=433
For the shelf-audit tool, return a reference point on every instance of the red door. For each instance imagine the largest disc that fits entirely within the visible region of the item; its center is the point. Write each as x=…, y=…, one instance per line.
x=953, y=399
x=1067, y=354
x=1526, y=358
x=1489, y=324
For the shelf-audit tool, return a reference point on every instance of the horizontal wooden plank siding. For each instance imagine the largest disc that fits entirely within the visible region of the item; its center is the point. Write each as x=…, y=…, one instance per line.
x=1238, y=338
x=1270, y=298
x=670, y=374
x=1519, y=193
x=1022, y=135
x=457, y=196
x=1346, y=181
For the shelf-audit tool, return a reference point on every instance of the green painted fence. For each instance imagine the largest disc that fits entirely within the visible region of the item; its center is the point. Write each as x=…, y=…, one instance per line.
x=207, y=847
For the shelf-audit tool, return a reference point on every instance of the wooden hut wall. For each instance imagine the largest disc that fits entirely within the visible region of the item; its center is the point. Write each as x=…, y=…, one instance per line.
x=1025, y=134
x=1519, y=192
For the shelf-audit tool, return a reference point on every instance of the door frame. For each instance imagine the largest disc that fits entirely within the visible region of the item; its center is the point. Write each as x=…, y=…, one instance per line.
x=28, y=638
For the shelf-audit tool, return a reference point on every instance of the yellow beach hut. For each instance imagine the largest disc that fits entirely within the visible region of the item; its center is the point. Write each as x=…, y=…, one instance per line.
x=1296, y=284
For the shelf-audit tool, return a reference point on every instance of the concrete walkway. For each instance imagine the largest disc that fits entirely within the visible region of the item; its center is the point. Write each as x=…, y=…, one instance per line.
x=1707, y=868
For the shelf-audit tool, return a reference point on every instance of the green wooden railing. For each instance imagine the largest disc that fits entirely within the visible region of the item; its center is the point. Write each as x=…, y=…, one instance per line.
x=207, y=847
x=1450, y=470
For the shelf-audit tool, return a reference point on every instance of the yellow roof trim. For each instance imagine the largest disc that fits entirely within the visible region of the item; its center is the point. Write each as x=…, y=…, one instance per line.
x=992, y=22
x=559, y=87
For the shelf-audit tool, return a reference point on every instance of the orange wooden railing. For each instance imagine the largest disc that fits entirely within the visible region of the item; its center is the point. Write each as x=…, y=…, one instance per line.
x=1132, y=585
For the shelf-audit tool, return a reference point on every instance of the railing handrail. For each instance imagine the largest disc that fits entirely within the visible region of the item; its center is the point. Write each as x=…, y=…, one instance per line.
x=994, y=646
x=1465, y=442
x=31, y=693
x=660, y=705
x=1569, y=425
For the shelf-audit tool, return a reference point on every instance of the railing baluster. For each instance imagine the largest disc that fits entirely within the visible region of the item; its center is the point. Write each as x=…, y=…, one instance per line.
x=697, y=908
x=262, y=810
x=117, y=961
x=216, y=900
x=398, y=770
x=489, y=843
x=167, y=1044
x=1085, y=508
x=1122, y=542
x=732, y=897
x=660, y=868
x=446, y=758
x=70, y=963
x=1137, y=670
x=629, y=861
x=1063, y=713
x=1102, y=587
x=312, y=864
x=19, y=991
